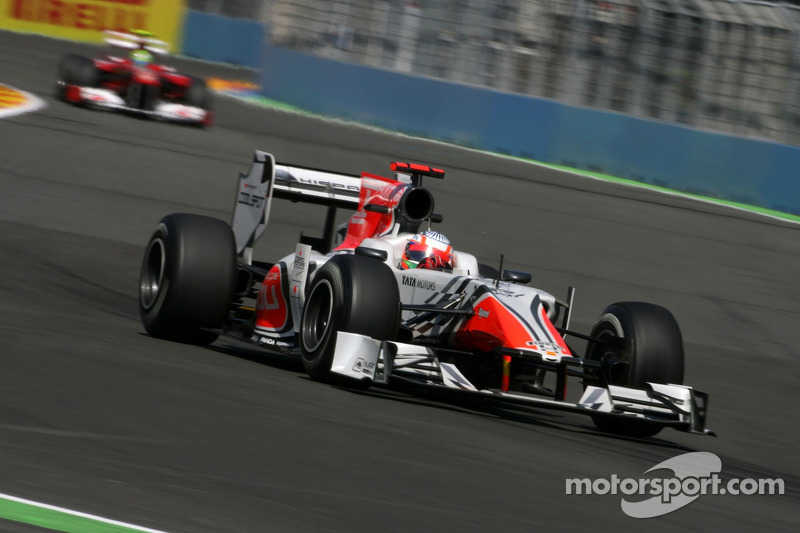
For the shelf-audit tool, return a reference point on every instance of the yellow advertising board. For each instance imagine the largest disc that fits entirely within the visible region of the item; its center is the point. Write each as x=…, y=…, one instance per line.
x=85, y=20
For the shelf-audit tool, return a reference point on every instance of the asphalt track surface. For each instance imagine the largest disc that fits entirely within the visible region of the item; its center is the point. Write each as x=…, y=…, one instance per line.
x=98, y=417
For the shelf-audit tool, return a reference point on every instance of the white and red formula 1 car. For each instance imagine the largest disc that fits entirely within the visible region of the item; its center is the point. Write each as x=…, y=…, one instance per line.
x=344, y=305
x=129, y=79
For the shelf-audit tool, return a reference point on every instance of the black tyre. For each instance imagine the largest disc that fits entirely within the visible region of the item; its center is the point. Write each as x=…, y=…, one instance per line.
x=150, y=97
x=349, y=293
x=141, y=96
x=650, y=348
x=198, y=95
x=62, y=73
x=187, y=278
x=74, y=69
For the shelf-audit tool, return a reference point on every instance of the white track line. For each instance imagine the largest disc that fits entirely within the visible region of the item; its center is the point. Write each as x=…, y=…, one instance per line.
x=78, y=514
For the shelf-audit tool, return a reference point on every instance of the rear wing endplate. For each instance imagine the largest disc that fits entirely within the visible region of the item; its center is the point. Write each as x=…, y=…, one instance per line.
x=267, y=179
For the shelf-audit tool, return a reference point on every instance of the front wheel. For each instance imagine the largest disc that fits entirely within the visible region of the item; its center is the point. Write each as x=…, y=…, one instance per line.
x=187, y=278
x=350, y=293
x=74, y=69
x=142, y=96
x=644, y=344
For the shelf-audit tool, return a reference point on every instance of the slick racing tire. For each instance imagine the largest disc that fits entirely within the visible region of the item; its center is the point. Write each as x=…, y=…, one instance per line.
x=349, y=293
x=142, y=96
x=197, y=94
x=74, y=69
x=187, y=278
x=651, y=349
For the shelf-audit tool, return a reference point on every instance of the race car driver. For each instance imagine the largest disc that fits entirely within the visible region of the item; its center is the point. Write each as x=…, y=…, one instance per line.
x=141, y=57
x=429, y=249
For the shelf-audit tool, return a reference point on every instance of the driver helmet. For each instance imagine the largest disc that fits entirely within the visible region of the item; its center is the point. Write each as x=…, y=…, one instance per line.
x=141, y=57
x=429, y=249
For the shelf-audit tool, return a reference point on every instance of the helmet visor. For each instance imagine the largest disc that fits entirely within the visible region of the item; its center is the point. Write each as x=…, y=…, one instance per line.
x=414, y=253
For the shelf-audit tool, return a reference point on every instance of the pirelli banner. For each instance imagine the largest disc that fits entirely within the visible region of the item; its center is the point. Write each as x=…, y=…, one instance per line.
x=85, y=20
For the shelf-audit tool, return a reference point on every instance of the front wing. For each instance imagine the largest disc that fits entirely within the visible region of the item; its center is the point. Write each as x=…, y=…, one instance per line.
x=363, y=358
x=105, y=99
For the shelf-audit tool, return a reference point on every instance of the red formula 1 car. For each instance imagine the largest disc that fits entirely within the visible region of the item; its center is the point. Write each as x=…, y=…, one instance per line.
x=384, y=299
x=129, y=79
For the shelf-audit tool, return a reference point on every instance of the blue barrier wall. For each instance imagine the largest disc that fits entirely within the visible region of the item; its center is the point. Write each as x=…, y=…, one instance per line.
x=750, y=171
x=222, y=39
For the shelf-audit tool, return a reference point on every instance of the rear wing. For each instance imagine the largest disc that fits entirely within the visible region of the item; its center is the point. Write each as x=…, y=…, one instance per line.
x=268, y=179
x=135, y=39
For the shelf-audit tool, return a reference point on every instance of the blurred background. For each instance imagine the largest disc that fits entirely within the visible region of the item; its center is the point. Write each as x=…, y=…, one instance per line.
x=718, y=65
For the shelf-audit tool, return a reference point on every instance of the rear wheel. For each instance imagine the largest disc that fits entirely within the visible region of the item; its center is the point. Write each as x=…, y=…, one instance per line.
x=197, y=94
x=350, y=293
x=187, y=278
x=646, y=346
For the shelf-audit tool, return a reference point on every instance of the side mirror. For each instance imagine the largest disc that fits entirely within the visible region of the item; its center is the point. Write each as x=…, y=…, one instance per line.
x=516, y=276
x=373, y=253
